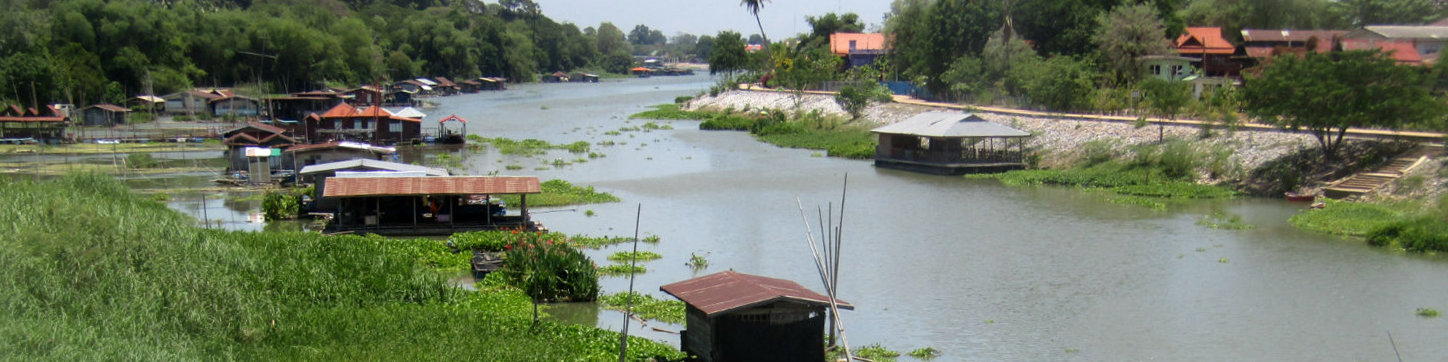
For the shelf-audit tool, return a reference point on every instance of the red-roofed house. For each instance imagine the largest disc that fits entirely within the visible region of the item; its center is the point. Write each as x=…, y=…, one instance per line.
x=253, y=134
x=731, y=316
x=428, y=205
x=105, y=114
x=372, y=124
x=1214, y=51
x=858, y=49
x=45, y=124
x=1427, y=41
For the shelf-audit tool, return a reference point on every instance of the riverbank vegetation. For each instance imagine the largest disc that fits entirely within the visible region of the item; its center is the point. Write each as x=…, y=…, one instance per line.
x=562, y=193
x=1145, y=175
x=807, y=130
x=1419, y=226
x=97, y=270
x=646, y=306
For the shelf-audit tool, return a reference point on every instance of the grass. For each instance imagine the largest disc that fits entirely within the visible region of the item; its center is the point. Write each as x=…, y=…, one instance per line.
x=621, y=269
x=646, y=306
x=1141, y=185
x=626, y=256
x=563, y=193
x=596, y=242
x=813, y=131
x=1345, y=218
x=925, y=353
x=531, y=147
x=99, y=272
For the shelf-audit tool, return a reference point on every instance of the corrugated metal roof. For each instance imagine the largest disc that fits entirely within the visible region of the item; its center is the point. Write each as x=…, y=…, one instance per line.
x=950, y=124
x=372, y=164
x=729, y=291
x=451, y=185
x=110, y=107
x=343, y=144
x=1288, y=35
x=1409, y=31
x=1400, y=50
x=409, y=112
x=259, y=126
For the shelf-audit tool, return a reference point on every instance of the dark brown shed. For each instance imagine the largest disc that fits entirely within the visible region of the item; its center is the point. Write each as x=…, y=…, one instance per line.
x=732, y=316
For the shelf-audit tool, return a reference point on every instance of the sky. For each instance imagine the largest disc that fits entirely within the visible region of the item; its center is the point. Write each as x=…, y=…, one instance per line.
x=781, y=18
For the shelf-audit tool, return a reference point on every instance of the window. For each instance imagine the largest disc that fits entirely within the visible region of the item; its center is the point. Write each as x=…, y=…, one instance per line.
x=1154, y=69
x=365, y=125
x=395, y=127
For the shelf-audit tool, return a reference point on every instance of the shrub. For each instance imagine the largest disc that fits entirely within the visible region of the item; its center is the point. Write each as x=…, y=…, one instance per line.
x=549, y=270
x=1178, y=161
x=142, y=160
x=683, y=99
x=1422, y=234
x=1096, y=152
x=281, y=205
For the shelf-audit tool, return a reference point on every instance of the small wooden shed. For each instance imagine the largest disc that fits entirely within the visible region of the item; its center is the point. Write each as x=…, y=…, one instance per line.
x=950, y=143
x=732, y=316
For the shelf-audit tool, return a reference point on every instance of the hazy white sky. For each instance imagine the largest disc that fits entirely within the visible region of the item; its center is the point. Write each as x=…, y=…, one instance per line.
x=781, y=18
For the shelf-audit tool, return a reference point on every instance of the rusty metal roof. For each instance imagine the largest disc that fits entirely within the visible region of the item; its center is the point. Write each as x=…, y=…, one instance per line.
x=454, y=185
x=729, y=291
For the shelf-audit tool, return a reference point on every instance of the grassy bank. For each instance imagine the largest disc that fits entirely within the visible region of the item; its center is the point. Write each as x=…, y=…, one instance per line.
x=98, y=272
x=1414, y=226
x=1151, y=177
x=811, y=130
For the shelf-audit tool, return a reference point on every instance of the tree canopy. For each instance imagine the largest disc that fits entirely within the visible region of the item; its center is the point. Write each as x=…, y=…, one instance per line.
x=1329, y=93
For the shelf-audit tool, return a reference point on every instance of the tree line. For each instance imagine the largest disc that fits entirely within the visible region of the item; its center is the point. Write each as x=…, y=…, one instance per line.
x=88, y=51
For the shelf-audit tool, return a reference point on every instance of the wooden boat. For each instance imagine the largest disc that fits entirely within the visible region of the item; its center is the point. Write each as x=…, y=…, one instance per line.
x=1296, y=197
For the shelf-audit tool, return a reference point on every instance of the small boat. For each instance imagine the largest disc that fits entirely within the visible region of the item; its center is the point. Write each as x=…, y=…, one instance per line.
x=1296, y=197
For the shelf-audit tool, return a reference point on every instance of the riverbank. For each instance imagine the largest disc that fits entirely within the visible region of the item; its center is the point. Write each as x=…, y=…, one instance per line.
x=98, y=270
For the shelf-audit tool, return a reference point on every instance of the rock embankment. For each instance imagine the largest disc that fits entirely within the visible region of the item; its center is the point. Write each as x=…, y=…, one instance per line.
x=1249, y=149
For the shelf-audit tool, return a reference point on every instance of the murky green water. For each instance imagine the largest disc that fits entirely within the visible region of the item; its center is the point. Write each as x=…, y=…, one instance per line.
x=981, y=271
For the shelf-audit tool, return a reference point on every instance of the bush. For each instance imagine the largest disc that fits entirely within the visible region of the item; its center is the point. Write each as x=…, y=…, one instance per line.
x=1178, y=160
x=548, y=269
x=142, y=160
x=1099, y=151
x=1422, y=234
x=1346, y=218
x=281, y=205
x=683, y=99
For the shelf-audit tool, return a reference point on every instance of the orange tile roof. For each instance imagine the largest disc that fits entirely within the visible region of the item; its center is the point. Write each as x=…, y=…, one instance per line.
x=1203, y=40
x=1401, y=51
x=342, y=110
x=408, y=186
x=840, y=42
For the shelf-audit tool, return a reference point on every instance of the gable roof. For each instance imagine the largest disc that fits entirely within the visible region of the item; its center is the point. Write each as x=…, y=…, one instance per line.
x=371, y=164
x=453, y=118
x=408, y=112
x=1203, y=40
x=449, y=185
x=729, y=291
x=258, y=126
x=1288, y=35
x=1400, y=50
x=949, y=124
x=105, y=107
x=342, y=110
x=864, y=42
x=1407, y=31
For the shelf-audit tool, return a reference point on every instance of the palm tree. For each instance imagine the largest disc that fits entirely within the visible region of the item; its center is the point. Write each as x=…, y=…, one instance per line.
x=753, y=6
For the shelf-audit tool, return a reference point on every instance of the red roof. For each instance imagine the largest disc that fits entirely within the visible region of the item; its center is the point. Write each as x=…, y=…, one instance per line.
x=840, y=42
x=259, y=126
x=730, y=291
x=1401, y=51
x=342, y=110
x=1203, y=40
x=453, y=118
x=373, y=112
x=104, y=106
x=240, y=139
x=444, y=82
x=408, y=186
x=641, y=69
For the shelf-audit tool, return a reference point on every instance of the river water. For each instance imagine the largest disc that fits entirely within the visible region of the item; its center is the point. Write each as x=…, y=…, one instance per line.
x=980, y=271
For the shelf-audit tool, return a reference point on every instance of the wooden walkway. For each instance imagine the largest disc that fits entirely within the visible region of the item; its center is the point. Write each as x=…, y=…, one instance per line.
x=1365, y=182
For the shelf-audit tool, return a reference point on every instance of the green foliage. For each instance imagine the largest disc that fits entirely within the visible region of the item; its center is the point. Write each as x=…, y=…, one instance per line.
x=1329, y=93
x=1127, y=33
x=876, y=352
x=621, y=269
x=698, y=261
x=283, y=204
x=1178, y=161
x=489, y=240
x=683, y=99
x=728, y=54
x=1426, y=313
x=1221, y=220
x=646, y=306
x=1177, y=190
x=627, y=256
x=562, y=193
x=97, y=271
x=141, y=161
x=533, y=146
x=1061, y=83
x=863, y=88
x=927, y=36
x=549, y=269
x=925, y=353
x=1166, y=98
x=1421, y=234
x=1346, y=218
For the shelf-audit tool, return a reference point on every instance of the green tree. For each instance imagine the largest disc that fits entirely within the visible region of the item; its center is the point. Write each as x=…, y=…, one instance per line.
x=728, y=55
x=1068, y=26
x=754, y=6
x=1327, y=94
x=927, y=36
x=611, y=39
x=1235, y=15
x=1061, y=83
x=1127, y=33
x=1359, y=13
x=821, y=27
x=1166, y=99
x=704, y=49
x=801, y=69
x=863, y=87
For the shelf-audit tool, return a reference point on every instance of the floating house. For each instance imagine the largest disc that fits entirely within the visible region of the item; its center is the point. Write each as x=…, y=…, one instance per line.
x=428, y=205
x=583, y=78
x=147, y=103
x=641, y=72
x=299, y=156
x=372, y=124
x=105, y=114
x=317, y=174
x=26, y=125
x=493, y=84
x=556, y=77
x=731, y=316
x=950, y=143
x=469, y=86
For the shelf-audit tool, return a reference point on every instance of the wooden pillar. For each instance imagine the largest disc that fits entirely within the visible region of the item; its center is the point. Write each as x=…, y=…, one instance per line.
x=523, y=208
x=414, y=213
x=377, y=210
x=451, y=216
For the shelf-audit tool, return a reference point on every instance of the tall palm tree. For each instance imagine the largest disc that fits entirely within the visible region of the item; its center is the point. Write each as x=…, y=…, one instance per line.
x=753, y=6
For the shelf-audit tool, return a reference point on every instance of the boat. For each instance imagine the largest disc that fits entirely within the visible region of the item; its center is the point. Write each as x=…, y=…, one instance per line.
x=1296, y=197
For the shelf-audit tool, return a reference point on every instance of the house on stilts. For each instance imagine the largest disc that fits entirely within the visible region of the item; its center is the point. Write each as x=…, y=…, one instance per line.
x=428, y=205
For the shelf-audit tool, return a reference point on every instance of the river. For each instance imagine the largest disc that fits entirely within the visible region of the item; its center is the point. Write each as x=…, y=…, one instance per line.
x=980, y=271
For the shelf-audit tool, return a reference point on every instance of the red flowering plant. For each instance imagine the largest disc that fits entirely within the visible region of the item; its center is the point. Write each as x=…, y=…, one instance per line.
x=549, y=269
